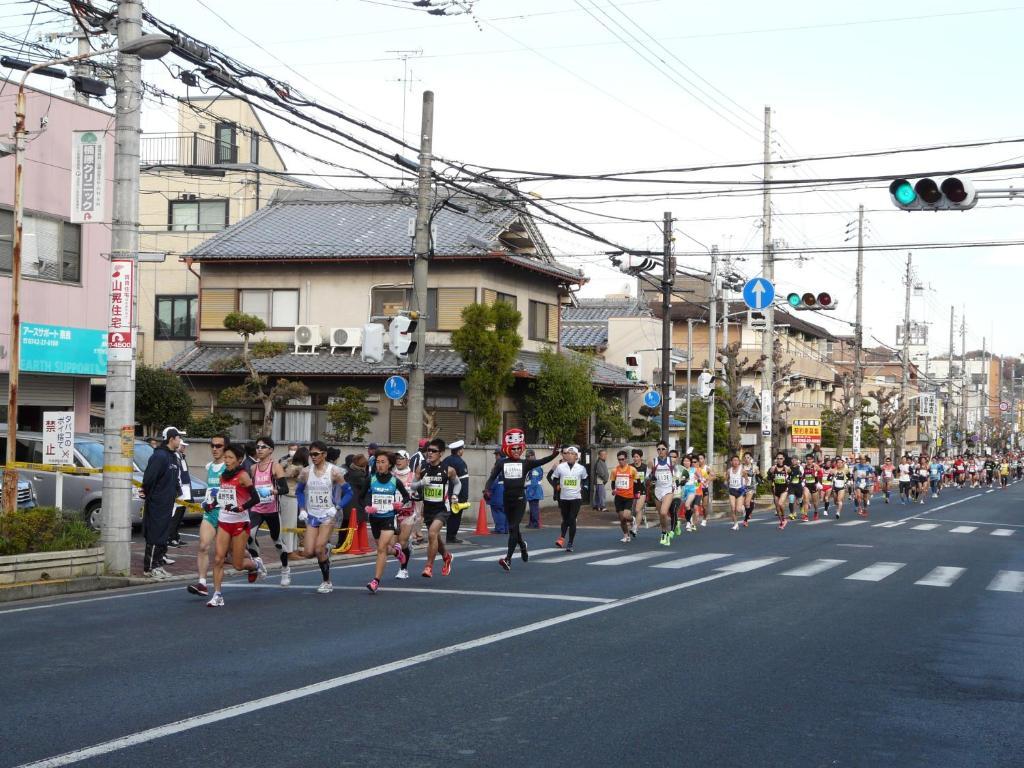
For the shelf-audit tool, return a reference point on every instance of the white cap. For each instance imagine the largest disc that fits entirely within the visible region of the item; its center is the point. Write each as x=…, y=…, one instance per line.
x=456, y=445
x=572, y=449
x=170, y=432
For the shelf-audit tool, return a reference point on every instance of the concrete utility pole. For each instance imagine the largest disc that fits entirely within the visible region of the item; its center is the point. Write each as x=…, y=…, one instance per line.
x=689, y=375
x=858, y=328
x=948, y=438
x=712, y=355
x=768, y=272
x=905, y=381
x=963, y=383
x=983, y=392
x=422, y=248
x=668, y=374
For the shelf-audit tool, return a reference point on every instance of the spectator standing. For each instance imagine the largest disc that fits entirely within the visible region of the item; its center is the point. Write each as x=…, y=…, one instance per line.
x=456, y=462
x=496, y=500
x=161, y=484
x=534, y=491
x=600, y=480
x=173, y=539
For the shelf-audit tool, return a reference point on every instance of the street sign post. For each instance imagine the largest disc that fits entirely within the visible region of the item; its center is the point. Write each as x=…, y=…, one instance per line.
x=652, y=399
x=396, y=387
x=58, y=446
x=1004, y=406
x=766, y=413
x=758, y=293
x=856, y=436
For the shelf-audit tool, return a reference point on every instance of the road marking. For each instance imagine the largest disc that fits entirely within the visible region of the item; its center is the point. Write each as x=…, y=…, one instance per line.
x=277, y=699
x=943, y=576
x=533, y=553
x=813, y=568
x=750, y=565
x=91, y=600
x=978, y=522
x=943, y=506
x=876, y=572
x=579, y=555
x=863, y=546
x=925, y=527
x=686, y=562
x=1002, y=532
x=963, y=529
x=815, y=522
x=852, y=522
x=1007, y=581
x=428, y=591
x=629, y=558
x=889, y=524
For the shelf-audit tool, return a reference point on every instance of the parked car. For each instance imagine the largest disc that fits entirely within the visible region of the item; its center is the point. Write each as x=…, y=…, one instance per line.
x=83, y=493
x=26, y=495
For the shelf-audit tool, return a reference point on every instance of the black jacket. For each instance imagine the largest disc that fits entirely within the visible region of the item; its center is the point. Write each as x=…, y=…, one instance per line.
x=161, y=482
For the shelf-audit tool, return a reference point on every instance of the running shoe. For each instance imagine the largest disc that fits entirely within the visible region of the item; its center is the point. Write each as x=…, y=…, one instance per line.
x=837, y=515
x=735, y=526
x=325, y=588
x=703, y=522
x=568, y=547
x=167, y=561
x=504, y=563
x=217, y=601
x=663, y=541
x=679, y=529
x=523, y=552
x=261, y=569
x=373, y=586
x=746, y=523
x=804, y=519
x=626, y=539
x=446, y=567
x=689, y=527
x=428, y=572
x=286, y=576
x=784, y=523
x=825, y=513
x=175, y=543
x=400, y=554
x=792, y=515
x=198, y=589
x=560, y=542
x=815, y=515
x=252, y=575
x=157, y=574
x=402, y=574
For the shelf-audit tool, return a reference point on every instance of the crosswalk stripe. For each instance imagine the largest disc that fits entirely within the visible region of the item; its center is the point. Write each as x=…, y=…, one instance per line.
x=1007, y=581
x=685, y=562
x=889, y=524
x=925, y=527
x=853, y=522
x=1002, y=532
x=750, y=565
x=813, y=568
x=634, y=558
x=876, y=572
x=943, y=576
x=577, y=555
x=533, y=553
x=964, y=529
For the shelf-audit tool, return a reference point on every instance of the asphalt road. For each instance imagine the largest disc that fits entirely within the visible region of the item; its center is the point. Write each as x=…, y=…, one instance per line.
x=895, y=641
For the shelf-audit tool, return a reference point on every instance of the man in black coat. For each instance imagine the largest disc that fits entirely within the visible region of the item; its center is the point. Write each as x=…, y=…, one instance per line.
x=161, y=485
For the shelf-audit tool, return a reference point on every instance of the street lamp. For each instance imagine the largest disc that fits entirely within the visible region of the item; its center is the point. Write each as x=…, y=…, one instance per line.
x=150, y=46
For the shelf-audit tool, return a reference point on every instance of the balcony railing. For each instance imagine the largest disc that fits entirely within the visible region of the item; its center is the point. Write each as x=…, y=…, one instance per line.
x=177, y=149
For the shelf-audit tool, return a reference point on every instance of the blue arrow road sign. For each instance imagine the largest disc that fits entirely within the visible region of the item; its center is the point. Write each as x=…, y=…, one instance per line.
x=758, y=293
x=396, y=387
x=652, y=399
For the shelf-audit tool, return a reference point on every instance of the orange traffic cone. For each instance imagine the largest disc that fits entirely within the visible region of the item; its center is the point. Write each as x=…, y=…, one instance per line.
x=362, y=544
x=481, y=520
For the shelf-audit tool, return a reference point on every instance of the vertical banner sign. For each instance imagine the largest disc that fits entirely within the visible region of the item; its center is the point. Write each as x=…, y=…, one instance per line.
x=58, y=437
x=120, y=319
x=766, y=413
x=856, y=436
x=88, y=177
x=806, y=431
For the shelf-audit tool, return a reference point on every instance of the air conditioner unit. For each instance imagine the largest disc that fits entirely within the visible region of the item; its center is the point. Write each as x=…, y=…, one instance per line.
x=307, y=336
x=346, y=338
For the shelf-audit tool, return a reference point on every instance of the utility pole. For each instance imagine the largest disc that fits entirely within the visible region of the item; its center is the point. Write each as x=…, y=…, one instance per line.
x=768, y=272
x=668, y=373
x=689, y=374
x=963, y=382
x=858, y=328
x=905, y=381
x=422, y=248
x=712, y=355
x=983, y=392
x=948, y=438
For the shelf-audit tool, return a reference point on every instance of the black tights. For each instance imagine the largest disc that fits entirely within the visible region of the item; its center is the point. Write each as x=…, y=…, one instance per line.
x=569, y=508
x=273, y=522
x=514, y=511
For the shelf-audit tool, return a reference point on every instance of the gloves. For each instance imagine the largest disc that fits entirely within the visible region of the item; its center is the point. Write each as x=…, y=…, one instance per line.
x=397, y=506
x=303, y=516
x=230, y=508
x=208, y=506
x=371, y=510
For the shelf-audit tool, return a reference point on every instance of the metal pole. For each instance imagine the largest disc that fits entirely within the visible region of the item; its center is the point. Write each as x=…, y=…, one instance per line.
x=119, y=423
x=858, y=330
x=689, y=373
x=983, y=392
x=905, y=381
x=712, y=355
x=948, y=438
x=423, y=248
x=768, y=271
x=963, y=382
x=667, y=280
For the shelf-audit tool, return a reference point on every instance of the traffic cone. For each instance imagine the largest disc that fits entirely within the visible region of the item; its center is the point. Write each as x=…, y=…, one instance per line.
x=361, y=544
x=481, y=520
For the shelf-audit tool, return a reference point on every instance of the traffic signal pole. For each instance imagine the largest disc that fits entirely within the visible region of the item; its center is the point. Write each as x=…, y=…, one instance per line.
x=668, y=374
x=905, y=380
x=712, y=355
x=768, y=272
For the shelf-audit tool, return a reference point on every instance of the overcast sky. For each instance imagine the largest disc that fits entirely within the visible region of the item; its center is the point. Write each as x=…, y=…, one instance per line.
x=543, y=85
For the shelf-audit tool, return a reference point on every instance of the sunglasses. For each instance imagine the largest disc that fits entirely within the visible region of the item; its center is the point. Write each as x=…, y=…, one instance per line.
x=216, y=445
x=262, y=447
x=316, y=453
x=433, y=450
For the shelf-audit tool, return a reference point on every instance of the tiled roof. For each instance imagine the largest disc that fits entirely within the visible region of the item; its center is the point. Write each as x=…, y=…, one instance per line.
x=202, y=359
x=602, y=310
x=782, y=317
x=585, y=336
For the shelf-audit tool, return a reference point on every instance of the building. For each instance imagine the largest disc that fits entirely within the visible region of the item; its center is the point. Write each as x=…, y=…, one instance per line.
x=216, y=168
x=65, y=269
x=316, y=265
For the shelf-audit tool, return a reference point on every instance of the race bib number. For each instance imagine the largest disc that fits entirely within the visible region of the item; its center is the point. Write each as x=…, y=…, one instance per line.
x=736, y=482
x=320, y=500
x=265, y=492
x=513, y=471
x=622, y=482
x=570, y=482
x=663, y=476
x=433, y=492
x=382, y=501
x=888, y=473
x=226, y=496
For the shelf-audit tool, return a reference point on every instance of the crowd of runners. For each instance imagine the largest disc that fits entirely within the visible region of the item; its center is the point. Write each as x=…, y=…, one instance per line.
x=400, y=494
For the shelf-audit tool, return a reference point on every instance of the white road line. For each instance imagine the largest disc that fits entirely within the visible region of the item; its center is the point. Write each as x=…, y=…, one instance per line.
x=277, y=699
x=852, y=522
x=533, y=553
x=634, y=558
x=1007, y=581
x=475, y=593
x=978, y=522
x=943, y=506
x=963, y=529
x=813, y=568
x=815, y=522
x=1003, y=532
x=889, y=524
x=692, y=560
x=925, y=527
x=943, y=576
x=750, y=565
x=861, y=546
x=579, y=555
x=876, y=572
x=93, y=599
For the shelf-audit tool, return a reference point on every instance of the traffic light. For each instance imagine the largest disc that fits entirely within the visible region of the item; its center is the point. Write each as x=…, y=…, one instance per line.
x=402, y=329
x=633, y=367
x=373, y=343
x=803, y=301
x=953, y=194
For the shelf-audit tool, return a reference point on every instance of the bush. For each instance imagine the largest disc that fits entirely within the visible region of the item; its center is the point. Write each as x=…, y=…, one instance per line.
x=44, y=529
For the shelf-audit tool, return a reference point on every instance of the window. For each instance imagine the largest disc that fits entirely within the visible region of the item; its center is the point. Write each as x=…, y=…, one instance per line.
x=491, y=296
x=176, y=317
x=197, y=215
x=445, y=305
x=278, y=309
x=214, y=306
x=388, y=300
x=254, y=148
x=52, y=248
x=543, y=324
x=225, y=143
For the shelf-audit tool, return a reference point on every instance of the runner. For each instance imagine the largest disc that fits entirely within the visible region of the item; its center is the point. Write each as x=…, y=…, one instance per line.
x=841, y=484
x=571, y=478
x=921, y=477
x=796, y=485
x=960, y=471
x=864, y=478
x=689, y=492
x=664, y=486
x=990, y=469
x=706, y=477
x=235, y=498
x=828, y=476
x=678, y=479
x=440, y=484
x=812, y=478
x=384, y=497
x=905, y=480
x=639, y=491
x=624, y=477
x=935, y=472
x=268, y=480
x=754, y=476
x=318, y=508
x=208, y=525
x=408, y=518
x=886, y=474
x=779, y=475
x=1004, y=473
x=737, y=479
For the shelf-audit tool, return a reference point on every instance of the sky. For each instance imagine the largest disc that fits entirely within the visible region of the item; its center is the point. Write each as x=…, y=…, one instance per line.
x=595, y=86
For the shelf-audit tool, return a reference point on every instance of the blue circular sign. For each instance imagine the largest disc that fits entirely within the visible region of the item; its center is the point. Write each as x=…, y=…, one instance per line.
x=396, y=387
x=652, y=399
x=758, y=293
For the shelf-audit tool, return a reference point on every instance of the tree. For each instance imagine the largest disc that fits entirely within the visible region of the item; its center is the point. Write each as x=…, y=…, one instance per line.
x=830, y=430
x=699, y=423
x=563, y=396
x=349, y=415
x=257, y=388
x=610, y=420
x=734, y=399
x=893, y=417
x=647, y=426
x=488, y=344
x=844, y=411
x=210, y=424
x=783, y=388
x=161, y=399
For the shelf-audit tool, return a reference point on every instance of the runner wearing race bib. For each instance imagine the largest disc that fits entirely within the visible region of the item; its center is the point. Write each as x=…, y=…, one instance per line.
x=887, y=475
x=779, y=475
x=438, y=484
x=623, y=477
x=840, y=484
x=315, y=493
x=691, y=481
x=736, y=478
x=208, y=525
x=570, y=478
x=639, y=491
x=661, y=471
x=753, y=477
x=269, y=483
x=385, y=496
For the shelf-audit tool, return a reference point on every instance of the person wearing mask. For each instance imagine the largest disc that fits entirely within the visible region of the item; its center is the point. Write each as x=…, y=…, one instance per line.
x=286, y=460
x=384, y=498
x=161, y=486
x=600, y=481
x=211, y=510
x=571, y=478
x=250, y=455
x=440, y=484
x=534, y=491
x=456, y=462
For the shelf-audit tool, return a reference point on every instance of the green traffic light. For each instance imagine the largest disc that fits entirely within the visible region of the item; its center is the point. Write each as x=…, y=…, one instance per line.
x=794, y=299
x=903, y=191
